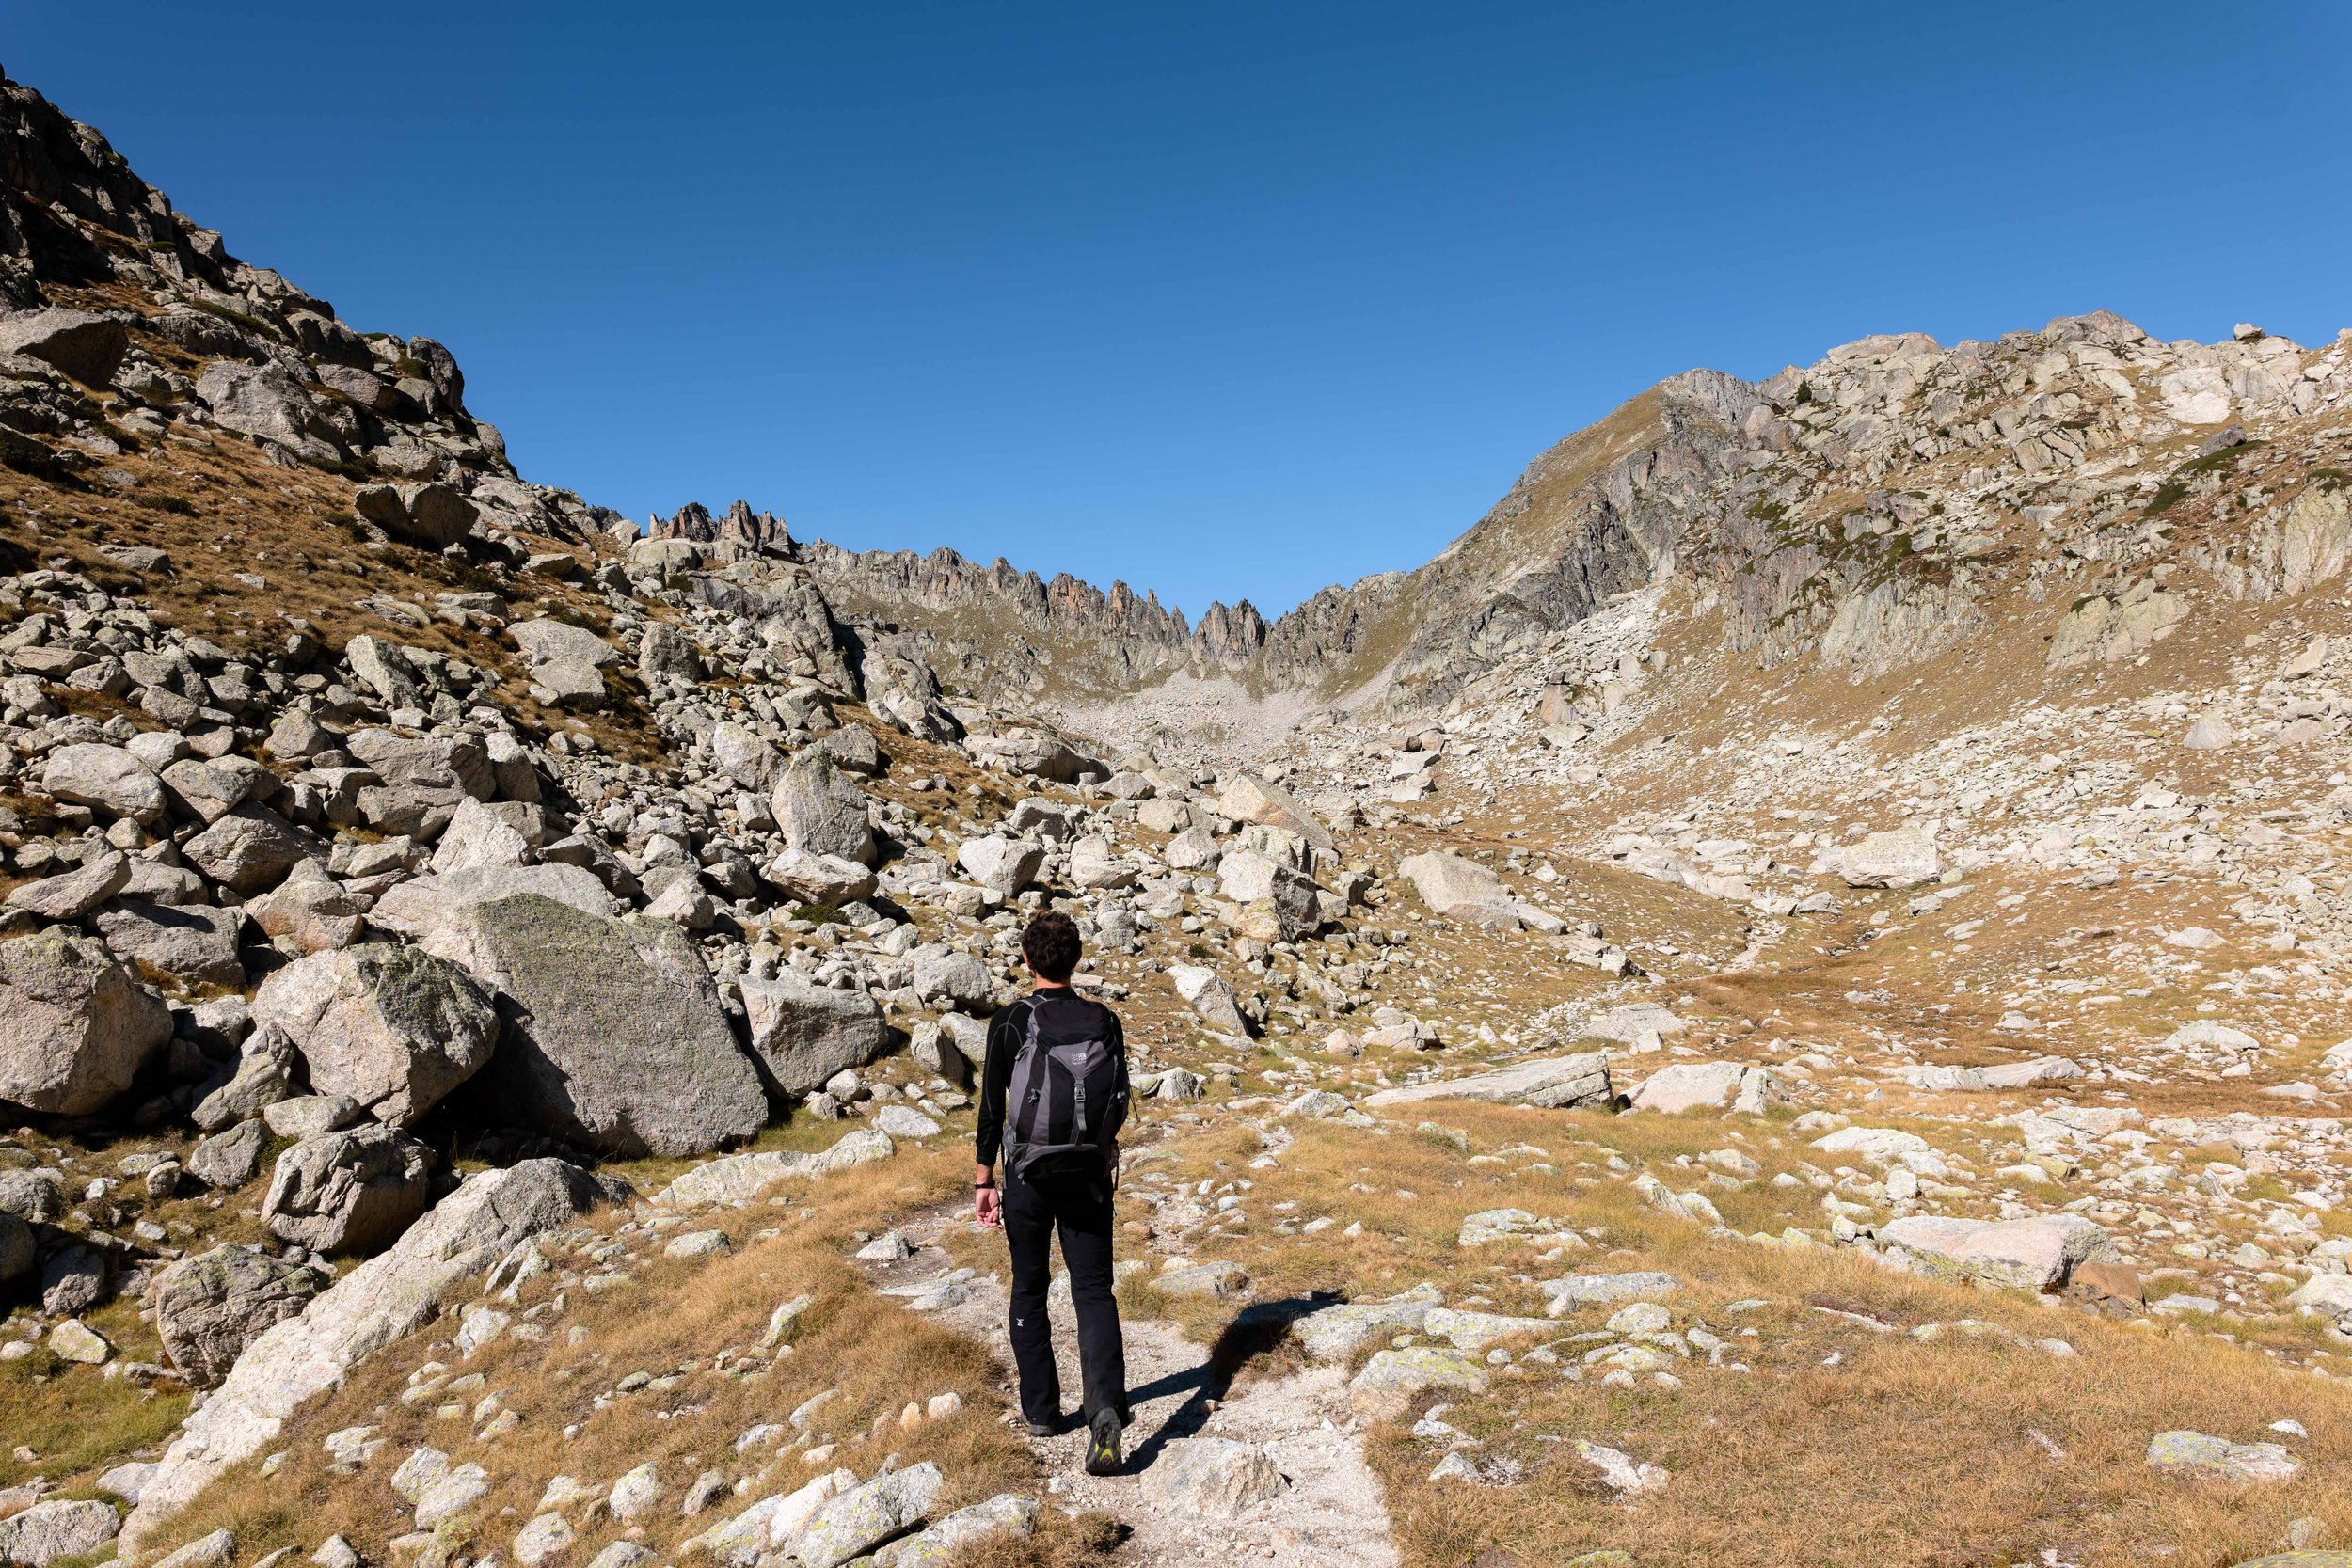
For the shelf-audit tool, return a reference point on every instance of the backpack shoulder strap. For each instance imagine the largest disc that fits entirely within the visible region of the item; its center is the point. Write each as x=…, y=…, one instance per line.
x=1023, y=1110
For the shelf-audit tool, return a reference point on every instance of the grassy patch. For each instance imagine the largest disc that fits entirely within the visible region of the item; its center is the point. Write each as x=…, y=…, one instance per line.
x=701, y=1322
x=75, y=1420
x=1838, y=1443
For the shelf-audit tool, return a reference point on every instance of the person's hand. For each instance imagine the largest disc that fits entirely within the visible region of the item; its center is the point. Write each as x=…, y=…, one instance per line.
x=987, y=1208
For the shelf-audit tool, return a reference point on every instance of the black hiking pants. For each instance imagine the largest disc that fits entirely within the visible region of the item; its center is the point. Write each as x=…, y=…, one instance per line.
x=1080, y=1210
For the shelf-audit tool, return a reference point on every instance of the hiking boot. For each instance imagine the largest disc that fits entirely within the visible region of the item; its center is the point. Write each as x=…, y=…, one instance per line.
x=1103, y=1454
x=1044, y=1428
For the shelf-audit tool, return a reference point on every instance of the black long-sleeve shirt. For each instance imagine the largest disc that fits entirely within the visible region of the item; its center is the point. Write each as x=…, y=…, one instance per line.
x=1068, y=1015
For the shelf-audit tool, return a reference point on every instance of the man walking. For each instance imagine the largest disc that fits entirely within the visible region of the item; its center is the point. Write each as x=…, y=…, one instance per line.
x=1053, y=1096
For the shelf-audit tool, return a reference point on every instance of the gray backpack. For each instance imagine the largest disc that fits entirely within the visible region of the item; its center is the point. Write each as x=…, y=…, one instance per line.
x=1064, y=1106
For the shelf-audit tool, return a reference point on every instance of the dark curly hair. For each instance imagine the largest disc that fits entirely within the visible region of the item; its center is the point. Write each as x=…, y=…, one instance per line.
x=1051, y=945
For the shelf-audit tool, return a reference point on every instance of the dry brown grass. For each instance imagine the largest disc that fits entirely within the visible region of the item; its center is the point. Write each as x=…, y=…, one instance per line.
x=674, y=1317
x=1842, y=1445
x=1060, y=1541
x=219, y=508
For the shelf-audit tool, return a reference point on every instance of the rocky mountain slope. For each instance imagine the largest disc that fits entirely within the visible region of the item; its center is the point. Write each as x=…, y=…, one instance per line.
x=1776, y=1001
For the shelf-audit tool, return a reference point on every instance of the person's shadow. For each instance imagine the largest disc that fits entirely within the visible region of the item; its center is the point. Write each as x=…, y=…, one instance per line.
x=1257, y=1330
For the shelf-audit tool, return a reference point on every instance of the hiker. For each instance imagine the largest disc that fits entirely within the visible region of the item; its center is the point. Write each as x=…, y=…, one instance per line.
x=1051, y=1098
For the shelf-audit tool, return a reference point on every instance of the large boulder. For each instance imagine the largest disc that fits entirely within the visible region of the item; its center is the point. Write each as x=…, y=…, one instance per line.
x=1277, y=903
x=1897, y=858
x=353, y=1191
x=90, y=348
x=566, y=661
x=854, y=750
x=205, y=791
x=197, y=942
x=481, y=835
x=741, y=1178
x=806, y=1033
x=666, y=651
x=265, y=1075
x=393, y=1026
x=1097, y=867
x=432, y=516
x=825, y=880
x=103, y=778
x=614, y=1039
x=1249, y=798
x=941, y=976
x=1553, y=1083
x=1031, y=753
x=821, y=811
x=209, y=1307
x=370, y=1306
x=267, y=403
x=76, y=1029
x=50, y=1531
x=1462, y=890
x=864, y=1517
x=459, y=762
x=311, y=910
x=742, y=755
x=1689, y=1087
x=250, y=849
x=231, y=1158
x=1009, y=1514
x=32, y=1195
x=1210, y=998
x=2037, y=1252
x=70, y=895
x=421, y=905
x=548, y=641
x=383, y=669
x=1005, y=865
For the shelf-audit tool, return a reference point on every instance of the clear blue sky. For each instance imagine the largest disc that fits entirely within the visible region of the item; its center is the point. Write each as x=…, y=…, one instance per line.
x=1222, y=299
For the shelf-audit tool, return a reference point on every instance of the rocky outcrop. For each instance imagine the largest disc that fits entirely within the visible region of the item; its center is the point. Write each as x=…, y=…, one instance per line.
x=740, y=531
x=1573, y=1083
x=1461, y=890
x=433, y=517
x=105, y=778
x=2038, y=1253
x=90, y=348
x=53, y=1531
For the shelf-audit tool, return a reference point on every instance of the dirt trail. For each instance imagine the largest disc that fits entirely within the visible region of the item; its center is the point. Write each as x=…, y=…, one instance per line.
x=1330, y=1514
